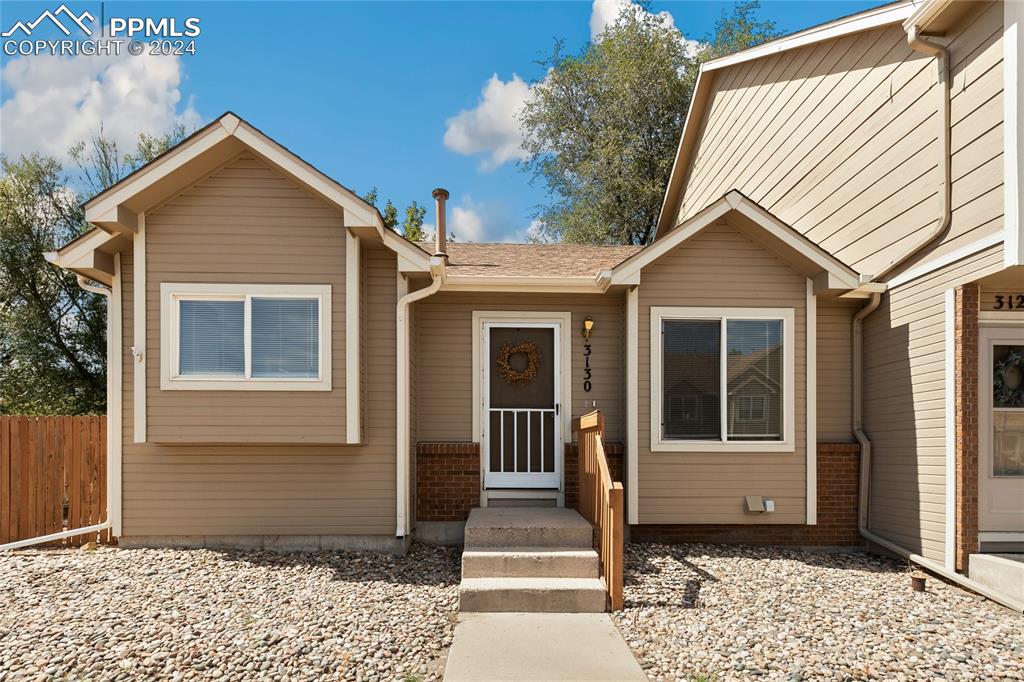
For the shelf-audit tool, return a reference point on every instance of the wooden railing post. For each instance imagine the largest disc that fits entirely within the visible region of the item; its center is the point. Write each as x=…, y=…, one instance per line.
x=601, y=502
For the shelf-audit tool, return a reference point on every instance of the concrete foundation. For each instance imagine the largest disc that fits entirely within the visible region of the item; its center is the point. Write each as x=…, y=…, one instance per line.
x=275, y=543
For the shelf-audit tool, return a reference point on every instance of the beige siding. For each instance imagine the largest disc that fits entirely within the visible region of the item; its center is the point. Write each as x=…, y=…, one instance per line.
x=904, y=405
x=835, y=375
x=445, y=362
x=239, y=489
x=720, y=267
x=839, y=140
x=248, y=224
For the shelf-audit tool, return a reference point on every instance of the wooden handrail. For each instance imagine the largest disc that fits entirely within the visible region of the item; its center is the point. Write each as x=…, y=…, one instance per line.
x=601, y=502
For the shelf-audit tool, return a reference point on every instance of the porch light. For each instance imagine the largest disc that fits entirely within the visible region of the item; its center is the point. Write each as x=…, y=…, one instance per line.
x=588, y=324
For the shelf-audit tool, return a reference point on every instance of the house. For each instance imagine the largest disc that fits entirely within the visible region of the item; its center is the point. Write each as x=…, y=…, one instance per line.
x=823, y=345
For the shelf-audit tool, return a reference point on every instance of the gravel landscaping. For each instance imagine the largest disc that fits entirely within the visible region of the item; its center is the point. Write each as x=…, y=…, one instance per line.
x=203, y=614
x=696, y=612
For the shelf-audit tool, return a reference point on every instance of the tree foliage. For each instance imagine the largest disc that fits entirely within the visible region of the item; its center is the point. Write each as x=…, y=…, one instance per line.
x=602, y=126
x=52, y=332
x=412, y=224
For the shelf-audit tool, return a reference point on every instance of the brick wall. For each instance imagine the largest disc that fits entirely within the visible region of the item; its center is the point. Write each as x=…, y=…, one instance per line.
x=614, y=452
x=838, y=477
x=965, y=356
x=447, y=481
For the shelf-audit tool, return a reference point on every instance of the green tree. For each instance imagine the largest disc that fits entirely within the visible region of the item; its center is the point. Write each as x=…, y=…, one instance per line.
x=737, y=30
x=53, y=333
x=412, y=224
x=602, y=126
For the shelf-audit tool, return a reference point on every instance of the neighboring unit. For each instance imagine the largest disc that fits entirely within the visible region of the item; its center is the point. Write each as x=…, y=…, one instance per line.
x=824, y=344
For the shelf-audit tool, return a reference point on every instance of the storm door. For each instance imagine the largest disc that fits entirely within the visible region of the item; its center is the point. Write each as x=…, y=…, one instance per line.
x=521, y=426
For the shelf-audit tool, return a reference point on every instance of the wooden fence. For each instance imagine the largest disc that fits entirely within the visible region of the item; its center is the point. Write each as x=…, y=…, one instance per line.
x=602, y=503
x=53, y=477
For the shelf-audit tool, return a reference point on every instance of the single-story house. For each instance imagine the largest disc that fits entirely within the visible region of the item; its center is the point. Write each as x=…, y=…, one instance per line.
x=823, y=345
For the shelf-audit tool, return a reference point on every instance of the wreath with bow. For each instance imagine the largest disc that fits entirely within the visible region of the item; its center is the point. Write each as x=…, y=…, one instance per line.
x=1006, y=395
x=510, y=373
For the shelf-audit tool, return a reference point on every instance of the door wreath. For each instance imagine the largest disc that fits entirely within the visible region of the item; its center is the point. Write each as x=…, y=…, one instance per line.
x=512, y=375
x=1009, y=393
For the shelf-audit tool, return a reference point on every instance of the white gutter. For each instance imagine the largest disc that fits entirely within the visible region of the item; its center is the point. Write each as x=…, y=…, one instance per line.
x=941, y=55
x=402, y=444
x=55, y=536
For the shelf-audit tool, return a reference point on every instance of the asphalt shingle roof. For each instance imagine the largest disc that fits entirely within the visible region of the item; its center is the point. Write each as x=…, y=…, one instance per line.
x=532, y=260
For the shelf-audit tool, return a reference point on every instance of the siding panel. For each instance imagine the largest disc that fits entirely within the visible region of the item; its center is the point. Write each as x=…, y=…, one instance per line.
x=720, y=267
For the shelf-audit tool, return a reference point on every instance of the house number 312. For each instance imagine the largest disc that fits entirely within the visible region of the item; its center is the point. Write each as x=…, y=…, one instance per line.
x=1009, y=302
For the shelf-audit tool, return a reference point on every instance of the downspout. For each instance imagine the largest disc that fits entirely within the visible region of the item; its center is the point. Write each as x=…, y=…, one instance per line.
x=83, y=282
x=865, y=475
x=437, y=273
x=941, y=55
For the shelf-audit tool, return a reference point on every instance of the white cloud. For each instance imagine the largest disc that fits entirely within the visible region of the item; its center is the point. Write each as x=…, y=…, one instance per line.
x=605, y=13
x=56, y=102
x=492, y=127
x=487, y=222
x=466, y=223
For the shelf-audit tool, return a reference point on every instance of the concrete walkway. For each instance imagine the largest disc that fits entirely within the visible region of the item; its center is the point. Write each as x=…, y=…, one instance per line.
x=539, y=646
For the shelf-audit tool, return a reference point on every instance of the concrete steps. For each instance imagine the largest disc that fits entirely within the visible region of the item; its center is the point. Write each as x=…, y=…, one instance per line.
x=528, y=527
x=532, y=595
x=538, y=560
x=529, y=562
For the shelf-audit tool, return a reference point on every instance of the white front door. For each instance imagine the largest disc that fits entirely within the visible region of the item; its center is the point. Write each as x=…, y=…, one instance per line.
x=1001, y=425
x=522, y=423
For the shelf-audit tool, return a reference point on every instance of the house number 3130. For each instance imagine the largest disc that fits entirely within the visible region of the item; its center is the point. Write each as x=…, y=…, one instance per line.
x=1009, y=302
x=586, y=367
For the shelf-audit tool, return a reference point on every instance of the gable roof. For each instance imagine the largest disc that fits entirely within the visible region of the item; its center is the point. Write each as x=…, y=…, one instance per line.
x=827, y=271
x=862, y=21
x=115, y=211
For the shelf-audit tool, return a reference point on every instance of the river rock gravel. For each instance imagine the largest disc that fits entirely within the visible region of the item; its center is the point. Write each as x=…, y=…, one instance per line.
x=711, y=612
x=131, y=614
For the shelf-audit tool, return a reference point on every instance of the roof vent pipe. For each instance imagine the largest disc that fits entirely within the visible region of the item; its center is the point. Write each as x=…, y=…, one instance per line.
x=440, y=240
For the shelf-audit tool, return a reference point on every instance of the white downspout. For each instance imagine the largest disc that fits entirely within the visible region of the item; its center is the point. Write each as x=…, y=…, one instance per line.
x=437, y=272
x=83, y=282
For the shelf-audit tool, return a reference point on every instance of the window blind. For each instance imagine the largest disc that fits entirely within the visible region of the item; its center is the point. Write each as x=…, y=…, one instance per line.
x=211, y=338
x=285, y=337
x=754, y=371
x=691, y=378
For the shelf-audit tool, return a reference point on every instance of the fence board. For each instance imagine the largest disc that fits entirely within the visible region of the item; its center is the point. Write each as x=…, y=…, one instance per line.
x=5, y=481
x=52, y=477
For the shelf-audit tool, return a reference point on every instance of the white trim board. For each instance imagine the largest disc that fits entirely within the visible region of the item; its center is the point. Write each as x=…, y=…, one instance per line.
x=946, y=259
x=632, y=405
x=949, y=336
x=115, y=393
x=353, y=335
x=139, y=332
x=873, y=18
x=787, y=316
x=1013, y=131
x=811, y=402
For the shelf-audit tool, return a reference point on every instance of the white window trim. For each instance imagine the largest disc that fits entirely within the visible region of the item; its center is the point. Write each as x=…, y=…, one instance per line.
x=170, y=296
x=787, y=444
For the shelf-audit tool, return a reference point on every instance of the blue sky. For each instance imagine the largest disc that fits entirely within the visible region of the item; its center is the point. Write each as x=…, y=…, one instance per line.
x=405, y=96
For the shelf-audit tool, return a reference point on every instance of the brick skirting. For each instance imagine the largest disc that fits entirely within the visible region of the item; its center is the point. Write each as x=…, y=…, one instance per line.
x=838, y=474
x=447, y=481
x=966, y=303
